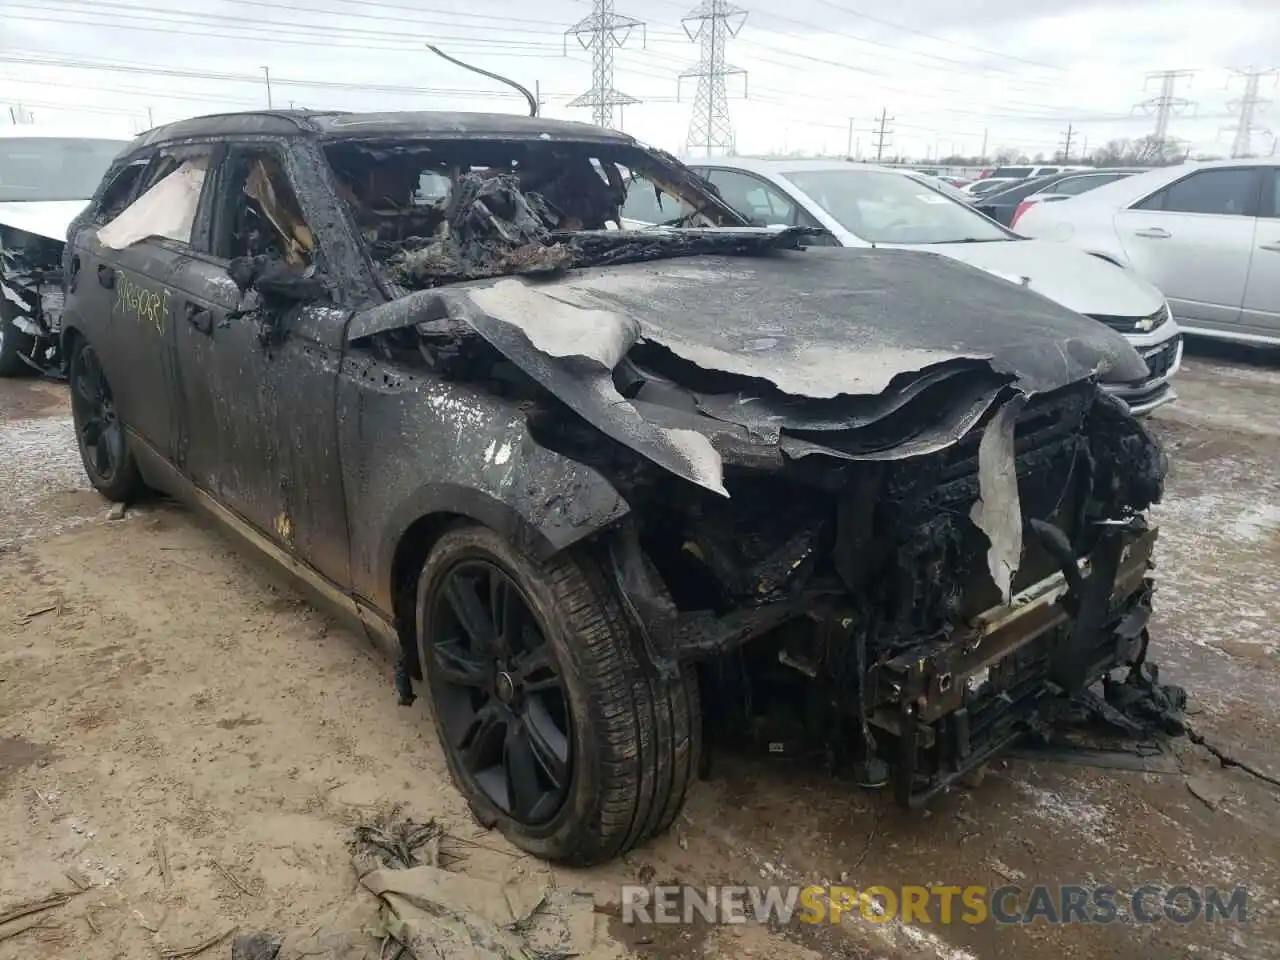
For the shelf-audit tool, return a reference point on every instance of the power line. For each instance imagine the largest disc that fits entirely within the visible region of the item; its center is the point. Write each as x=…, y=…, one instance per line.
x=1166, y=104
x=883, y=132
x=1242, y=145
x=601, y=33
x=937, y=38
x=710, y=126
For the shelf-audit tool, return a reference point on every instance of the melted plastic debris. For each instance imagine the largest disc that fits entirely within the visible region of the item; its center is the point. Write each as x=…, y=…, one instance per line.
x=490, y=228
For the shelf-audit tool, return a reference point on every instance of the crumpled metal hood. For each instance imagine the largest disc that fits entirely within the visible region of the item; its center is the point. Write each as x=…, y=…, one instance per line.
x=830, y=322
x=882, y=355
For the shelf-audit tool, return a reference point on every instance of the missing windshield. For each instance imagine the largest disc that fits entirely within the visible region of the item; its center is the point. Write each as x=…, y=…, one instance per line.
x=435, y=212
x=881, y=206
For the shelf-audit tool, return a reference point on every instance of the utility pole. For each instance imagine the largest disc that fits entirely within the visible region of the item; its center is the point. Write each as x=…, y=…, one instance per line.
x=1166, y=105
x=266, y=72
x=882, y=133
x=983, y=158
x=1242, y=145
x=150, y=120
x=849, y=149
x=602, y=32
x=1066, y=144
x=711, y=25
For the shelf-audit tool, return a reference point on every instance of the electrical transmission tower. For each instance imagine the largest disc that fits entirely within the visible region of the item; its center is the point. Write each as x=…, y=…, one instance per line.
x=602, y=33
x=1066, y=143
x=1166, y=104
x=1242, y=145
x=711, y=24
x=883, y=133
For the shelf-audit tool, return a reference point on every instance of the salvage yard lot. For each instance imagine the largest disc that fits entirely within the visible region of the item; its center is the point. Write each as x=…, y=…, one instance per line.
x=183, y=733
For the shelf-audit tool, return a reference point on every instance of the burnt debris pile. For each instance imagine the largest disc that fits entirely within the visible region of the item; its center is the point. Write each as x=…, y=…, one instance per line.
x=446, y=212
x=490, y=227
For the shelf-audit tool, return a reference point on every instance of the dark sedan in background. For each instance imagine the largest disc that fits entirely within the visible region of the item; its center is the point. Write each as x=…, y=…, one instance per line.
x=1006, y=205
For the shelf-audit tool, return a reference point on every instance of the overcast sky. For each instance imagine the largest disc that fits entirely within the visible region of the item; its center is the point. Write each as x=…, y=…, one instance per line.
x=1016, y=71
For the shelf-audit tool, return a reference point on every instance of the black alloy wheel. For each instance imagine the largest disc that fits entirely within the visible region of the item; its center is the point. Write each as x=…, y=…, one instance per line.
x=556, y=726
x=100, y=434
x=503, y=707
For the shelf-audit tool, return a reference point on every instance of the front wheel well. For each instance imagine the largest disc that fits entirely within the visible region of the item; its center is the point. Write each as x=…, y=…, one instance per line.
x=410, y=554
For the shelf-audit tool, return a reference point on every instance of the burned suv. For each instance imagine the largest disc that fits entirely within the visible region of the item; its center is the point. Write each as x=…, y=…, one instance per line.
x=601, y=492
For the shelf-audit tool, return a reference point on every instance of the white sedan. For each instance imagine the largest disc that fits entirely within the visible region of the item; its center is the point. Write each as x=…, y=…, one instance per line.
x=860, y=205
x=1207, y=234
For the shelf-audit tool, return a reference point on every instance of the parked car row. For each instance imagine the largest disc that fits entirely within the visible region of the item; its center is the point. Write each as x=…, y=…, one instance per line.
x=1207, y=234
x=1009, y=203
x=608, y=495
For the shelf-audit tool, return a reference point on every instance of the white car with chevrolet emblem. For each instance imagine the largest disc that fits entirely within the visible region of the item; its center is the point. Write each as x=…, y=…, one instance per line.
x=860, y=205
x=46, y=177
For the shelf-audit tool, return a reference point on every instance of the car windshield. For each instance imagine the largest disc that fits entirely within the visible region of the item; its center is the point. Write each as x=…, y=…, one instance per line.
x=883, y=207
x=936, y=183
x=53, y=168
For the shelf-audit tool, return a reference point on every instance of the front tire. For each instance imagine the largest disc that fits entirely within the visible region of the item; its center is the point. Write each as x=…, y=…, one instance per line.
x=556, y=727
x=100, y=433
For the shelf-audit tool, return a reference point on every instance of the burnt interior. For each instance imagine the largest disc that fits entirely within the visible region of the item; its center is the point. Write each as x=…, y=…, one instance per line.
x=436, y=211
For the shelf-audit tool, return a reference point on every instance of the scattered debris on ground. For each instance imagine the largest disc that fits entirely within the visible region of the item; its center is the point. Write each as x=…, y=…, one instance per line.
x=429, y=913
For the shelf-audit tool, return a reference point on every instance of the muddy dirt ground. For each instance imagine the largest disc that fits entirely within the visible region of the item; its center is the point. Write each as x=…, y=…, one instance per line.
x=183, y=735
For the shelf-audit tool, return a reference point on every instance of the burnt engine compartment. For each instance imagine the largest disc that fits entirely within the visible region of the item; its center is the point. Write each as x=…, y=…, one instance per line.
x=825, y=595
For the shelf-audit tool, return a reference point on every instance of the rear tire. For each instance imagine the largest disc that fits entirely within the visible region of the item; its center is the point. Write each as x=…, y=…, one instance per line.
x=633, y=739
x=100, y=433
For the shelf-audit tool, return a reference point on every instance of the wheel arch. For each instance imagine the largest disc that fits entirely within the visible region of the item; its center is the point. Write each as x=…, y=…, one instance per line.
x=531, y=524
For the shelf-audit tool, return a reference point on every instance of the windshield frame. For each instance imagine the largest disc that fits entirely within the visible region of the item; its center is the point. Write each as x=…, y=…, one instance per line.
x=42, y=145
x=983, y=223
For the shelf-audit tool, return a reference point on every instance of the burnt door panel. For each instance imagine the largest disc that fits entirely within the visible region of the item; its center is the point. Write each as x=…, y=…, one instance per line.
x=258, y=409
x=124, y=302
x=228, y=448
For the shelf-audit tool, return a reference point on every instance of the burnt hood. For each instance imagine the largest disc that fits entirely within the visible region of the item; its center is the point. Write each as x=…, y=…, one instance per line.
x=867, y=355
x=823, y=322
x=830, y=322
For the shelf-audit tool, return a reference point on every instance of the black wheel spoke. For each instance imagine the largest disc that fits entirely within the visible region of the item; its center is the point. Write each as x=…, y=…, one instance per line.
x=522, y=773
x=497, y=692
x=471, y=612
x=505, y=613
x=538, y=670
x=455, y=666
x=481, y=740
x=550, y=745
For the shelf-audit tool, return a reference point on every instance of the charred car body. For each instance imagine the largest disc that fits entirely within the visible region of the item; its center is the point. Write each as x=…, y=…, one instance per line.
x=600, y=490
x=46, y=176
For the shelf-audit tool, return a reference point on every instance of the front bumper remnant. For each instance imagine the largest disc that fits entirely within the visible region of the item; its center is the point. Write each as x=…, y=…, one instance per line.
x=954, y=705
